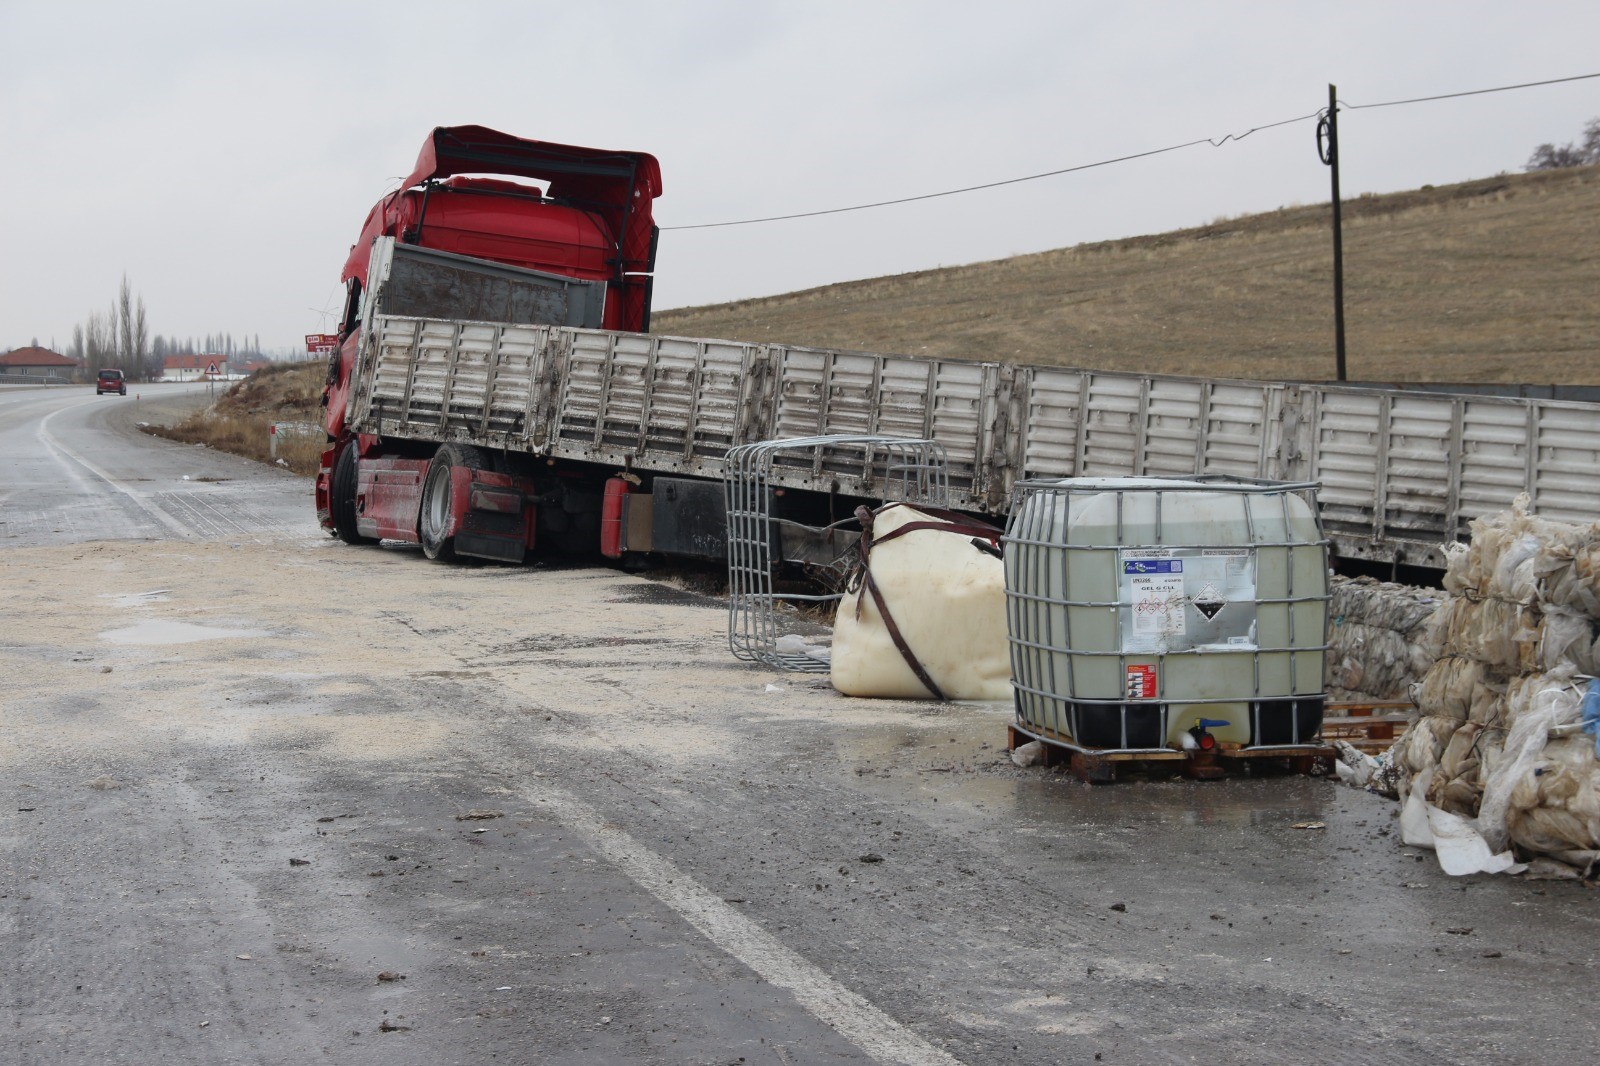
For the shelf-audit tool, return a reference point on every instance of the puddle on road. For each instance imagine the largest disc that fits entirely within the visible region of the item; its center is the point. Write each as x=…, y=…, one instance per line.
x=157, y=631
x=1040, y=800
x=1234, y=802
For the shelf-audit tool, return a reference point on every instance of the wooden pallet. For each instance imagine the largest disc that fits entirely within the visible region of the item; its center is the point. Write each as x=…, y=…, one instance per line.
x=1370, y=727
x=1104, y=767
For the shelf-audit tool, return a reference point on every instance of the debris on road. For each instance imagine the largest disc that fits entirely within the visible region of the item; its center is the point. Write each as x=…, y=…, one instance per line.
x=479, y=816
x=1498, y=754
x=390, y=975
x=1379, y=639
x=299, y=862
x=1460, y=848
x=1030, y=754
x=1360, y=770
x=795, y=644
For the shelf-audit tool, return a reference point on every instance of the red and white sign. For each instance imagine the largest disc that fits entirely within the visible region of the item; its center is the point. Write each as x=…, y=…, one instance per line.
x=1141, y=683
x=321, y=343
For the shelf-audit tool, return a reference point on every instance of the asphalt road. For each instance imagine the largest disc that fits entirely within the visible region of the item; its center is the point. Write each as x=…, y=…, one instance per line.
x=272, y=799
x=74, y=467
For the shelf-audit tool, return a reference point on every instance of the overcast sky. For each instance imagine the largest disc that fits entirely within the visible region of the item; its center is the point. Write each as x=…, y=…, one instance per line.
x=224, y=156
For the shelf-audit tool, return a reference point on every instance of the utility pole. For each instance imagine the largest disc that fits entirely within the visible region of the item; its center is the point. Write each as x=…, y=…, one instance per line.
x=1328, y=149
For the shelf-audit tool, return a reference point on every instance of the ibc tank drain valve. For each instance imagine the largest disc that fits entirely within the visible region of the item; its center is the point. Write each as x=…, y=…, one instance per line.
x=1200, y=733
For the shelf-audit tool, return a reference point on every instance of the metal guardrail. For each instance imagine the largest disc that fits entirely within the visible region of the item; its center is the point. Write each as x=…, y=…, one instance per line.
x=16, y=378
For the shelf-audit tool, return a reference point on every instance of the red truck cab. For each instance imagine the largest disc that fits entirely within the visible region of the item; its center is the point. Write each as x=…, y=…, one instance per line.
x=581, y=212
x=584, y=213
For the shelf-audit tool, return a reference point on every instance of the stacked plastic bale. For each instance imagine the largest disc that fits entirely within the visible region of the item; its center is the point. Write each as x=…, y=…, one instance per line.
x=1503, y=707
x=1379, y=639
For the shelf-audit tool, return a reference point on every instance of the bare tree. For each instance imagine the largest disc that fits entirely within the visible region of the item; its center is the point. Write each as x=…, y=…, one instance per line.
x=120, y=337
x=99, y=342
x=149, y=368
x=124, y=318
x=132, y=333
x=1552, y=156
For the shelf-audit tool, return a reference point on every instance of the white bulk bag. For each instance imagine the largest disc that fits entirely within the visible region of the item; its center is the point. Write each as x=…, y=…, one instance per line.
x=943, y=586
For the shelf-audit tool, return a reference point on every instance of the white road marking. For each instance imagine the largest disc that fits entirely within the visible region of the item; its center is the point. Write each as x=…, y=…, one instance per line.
x=61, y=450
x=852, y=1016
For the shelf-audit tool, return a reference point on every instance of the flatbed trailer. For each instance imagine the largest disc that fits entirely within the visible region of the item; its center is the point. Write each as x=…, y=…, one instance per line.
x=1402, y=472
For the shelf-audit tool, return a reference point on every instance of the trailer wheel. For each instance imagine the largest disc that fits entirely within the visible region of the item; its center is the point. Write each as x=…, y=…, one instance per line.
x=342, y=501
x=434, y=518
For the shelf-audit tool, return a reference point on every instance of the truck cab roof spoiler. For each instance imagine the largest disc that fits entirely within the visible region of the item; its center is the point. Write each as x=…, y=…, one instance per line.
x=452, y=150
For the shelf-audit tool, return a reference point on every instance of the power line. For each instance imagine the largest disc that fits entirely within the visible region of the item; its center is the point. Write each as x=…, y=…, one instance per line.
x=1469, y=92
x=1213, y=142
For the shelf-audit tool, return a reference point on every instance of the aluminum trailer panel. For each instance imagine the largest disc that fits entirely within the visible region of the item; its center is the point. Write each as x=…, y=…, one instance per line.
x=663, y=404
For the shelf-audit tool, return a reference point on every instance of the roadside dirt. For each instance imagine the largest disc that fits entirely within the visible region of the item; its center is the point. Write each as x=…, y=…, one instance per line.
x=242, y=418
x=244, y=775
x=344, y=707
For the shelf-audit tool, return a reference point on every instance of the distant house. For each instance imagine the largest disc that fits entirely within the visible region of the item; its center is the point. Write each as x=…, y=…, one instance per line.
x=193, y=367
x=37, y=366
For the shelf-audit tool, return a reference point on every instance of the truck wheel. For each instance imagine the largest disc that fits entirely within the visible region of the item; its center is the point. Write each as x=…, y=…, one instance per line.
x=434, y=518
x=342, y=493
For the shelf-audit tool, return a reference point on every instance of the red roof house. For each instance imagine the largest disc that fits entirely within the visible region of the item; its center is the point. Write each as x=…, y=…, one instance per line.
x=36, y=364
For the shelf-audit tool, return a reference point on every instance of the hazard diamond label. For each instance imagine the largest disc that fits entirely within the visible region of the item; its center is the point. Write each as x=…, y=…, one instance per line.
x=1209, y=601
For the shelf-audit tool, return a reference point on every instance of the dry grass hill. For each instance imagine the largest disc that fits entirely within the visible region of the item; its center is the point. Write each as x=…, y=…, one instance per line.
x=1489, y=280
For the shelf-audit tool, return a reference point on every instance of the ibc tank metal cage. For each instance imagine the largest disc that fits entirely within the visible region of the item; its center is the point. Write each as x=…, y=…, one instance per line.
x=760, y=627
x=1132, y=610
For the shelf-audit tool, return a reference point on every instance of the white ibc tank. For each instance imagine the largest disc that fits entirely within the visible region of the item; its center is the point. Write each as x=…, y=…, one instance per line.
x=1138, y=607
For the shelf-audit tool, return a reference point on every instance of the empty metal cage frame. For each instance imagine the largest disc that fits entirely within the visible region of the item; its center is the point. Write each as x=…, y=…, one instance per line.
x=760, y=628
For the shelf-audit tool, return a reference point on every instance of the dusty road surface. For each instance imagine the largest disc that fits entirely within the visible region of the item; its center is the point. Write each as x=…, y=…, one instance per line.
x=271, y=799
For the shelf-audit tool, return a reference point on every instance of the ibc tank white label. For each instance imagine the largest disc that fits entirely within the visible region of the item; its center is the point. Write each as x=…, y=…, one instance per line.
x=1157, y=605
x=1176, y=599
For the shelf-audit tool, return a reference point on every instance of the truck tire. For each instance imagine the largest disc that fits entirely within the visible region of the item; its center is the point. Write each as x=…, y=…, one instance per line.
x=434, y=517
x=342, y=498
